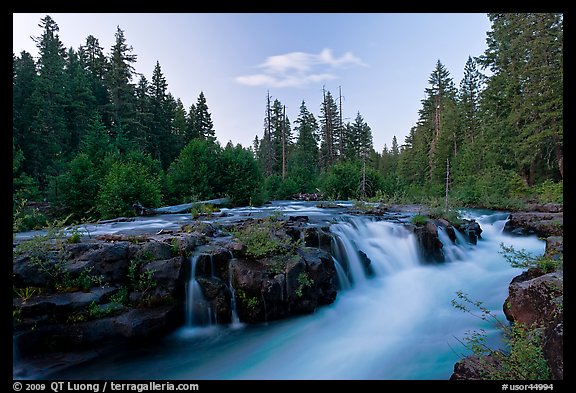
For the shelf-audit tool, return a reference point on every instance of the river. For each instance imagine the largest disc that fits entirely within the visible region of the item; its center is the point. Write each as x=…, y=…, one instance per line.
x=398, y=324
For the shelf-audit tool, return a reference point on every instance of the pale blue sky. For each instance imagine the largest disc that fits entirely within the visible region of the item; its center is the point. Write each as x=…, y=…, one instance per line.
x=382, y=61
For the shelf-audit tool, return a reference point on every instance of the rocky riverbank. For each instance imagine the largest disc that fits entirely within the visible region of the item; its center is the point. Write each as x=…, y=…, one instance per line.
x=535, y=297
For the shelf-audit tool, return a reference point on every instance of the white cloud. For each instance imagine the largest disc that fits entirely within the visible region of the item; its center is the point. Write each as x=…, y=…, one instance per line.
x=298, y=69
x=296, y=80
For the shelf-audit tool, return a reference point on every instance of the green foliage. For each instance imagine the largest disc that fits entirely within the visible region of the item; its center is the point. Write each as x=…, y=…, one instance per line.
x=240, y=176
x=16, y=315
x=248, y=302
x=522, y=357
x=77, y=122
x=75, y=236
x=120, y=297
x=264, y=238
x=278, y=189
x=175, y=246
x=76, y=190
x=362, y=205
x=524, y=260
x=96, y=310
x=202, y=209
x=125, y=184
x=451, y=215
x=344, y=181
x=140, y=280
x=194, y=173
x=27, y=218
x=304, y=280
x=493, y=188
x=85, y=280
x=24, y=294
x=419, y=219
x=549, y=192
x=45, y=253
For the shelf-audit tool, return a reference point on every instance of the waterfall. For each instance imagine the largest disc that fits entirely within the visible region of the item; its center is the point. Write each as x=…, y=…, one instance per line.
x=198, y=310
x=235, y=319
x=453, y=251
x=388, y=246
x=343, y=281
x=397, y=323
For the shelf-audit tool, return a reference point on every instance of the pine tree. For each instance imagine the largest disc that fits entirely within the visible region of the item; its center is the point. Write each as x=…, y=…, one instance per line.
x=95, y=63
x=121, y=109
x=304, y=160
x=358, y=137
x=180, y=124
x=48, y=132
x=161, y=138
x=142, y=138
x=81, y=102
x=23, y=110
x=266, y=153
x=524, y=97
x=201, y=120
x=469, y=101
x=330, y=131
x=436, y=132
x=280, y=137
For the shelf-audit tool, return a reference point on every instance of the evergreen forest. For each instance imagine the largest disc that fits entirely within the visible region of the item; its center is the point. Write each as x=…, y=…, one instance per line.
x=91, y=137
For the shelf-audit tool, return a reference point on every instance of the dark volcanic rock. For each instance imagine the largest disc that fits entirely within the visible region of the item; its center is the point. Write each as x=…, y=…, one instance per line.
x=535, y=301
x=543, y=224
x=474, y=367
x=471, y=230
x=430, y=244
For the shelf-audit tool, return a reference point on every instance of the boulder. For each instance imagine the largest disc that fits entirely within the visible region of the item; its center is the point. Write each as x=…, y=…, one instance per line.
x=535, y=301
x=542, y=224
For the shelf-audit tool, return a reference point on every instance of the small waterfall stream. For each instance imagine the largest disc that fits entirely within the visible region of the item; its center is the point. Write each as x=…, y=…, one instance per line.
x=198, y=310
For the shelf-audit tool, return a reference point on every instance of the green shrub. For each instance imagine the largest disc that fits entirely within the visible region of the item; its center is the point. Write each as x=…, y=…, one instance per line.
x=344, y=181
x=26, y=218
x=549, y=192
x=202, y=209
x=194, y=173
x=419, y=219
x=524, y=260
x=304, y=280
x=240, y=176
x=264, y=238
x=248, y=302
x=120, y=297
x=522, y=357
x=451, y=215
x=125, y=184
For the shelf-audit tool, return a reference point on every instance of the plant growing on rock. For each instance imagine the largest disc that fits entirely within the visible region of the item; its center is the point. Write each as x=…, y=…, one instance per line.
x=141, y=280
x=419, y=219
x=202, y=209
x=24, y=294
x=248, y=302
x=265, y=238
x=522, y=357
x=304, y=280
x=524, y=260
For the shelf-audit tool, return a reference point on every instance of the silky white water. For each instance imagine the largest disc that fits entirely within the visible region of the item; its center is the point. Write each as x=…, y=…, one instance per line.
x=397, y=323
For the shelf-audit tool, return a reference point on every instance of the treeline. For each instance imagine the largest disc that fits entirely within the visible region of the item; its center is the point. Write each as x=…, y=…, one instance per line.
x=92, y=142
x=493, y=141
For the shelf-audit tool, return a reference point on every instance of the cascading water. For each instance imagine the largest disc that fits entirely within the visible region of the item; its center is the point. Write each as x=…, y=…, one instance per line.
x=397, y=323
x=235, y=319
x=389, y=247
x=198, y=310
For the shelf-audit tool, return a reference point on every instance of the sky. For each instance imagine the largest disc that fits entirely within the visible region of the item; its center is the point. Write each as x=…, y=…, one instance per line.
x=381, y=62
